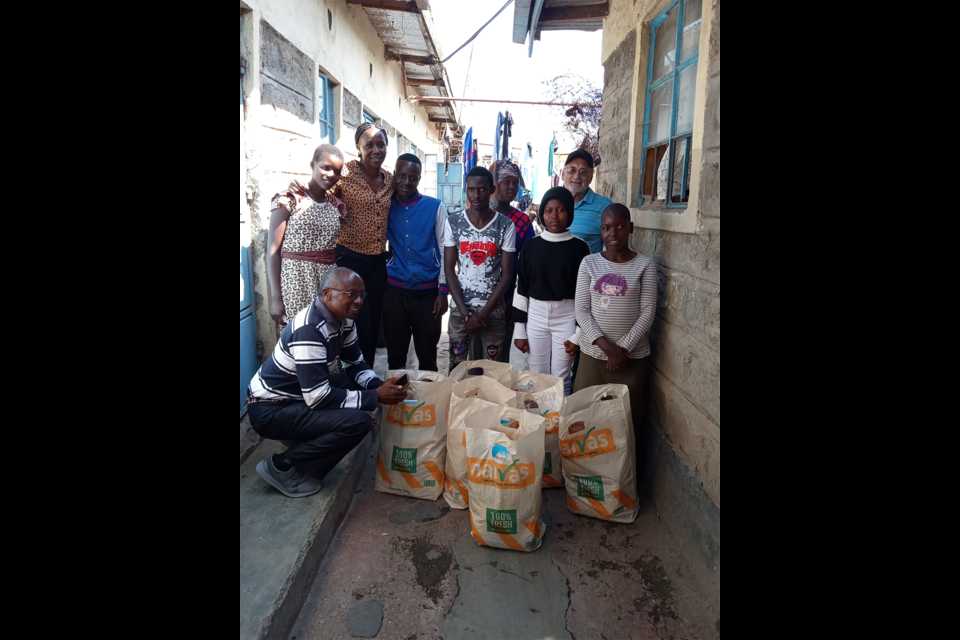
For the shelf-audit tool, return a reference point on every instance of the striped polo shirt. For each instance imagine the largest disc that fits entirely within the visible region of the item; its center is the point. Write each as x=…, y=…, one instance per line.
x=299, y=368
x=617, y=302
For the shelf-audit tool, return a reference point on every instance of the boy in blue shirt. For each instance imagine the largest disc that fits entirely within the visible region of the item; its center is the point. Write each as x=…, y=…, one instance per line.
x=416, y=295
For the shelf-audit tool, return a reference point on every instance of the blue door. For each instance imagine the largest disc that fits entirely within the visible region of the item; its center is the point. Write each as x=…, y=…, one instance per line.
x=450, y=186
x=248, y=322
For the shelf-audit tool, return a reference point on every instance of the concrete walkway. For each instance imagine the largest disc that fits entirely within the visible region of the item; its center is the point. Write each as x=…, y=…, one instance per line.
x=410, y=570
x=283, y=542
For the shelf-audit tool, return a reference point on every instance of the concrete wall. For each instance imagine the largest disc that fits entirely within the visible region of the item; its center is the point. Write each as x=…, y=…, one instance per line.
x=287, y=43
x=682, y=421
x=615, y=127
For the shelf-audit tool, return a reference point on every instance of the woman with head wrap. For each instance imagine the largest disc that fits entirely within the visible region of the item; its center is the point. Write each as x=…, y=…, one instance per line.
x=545, y=305
x=508, y=185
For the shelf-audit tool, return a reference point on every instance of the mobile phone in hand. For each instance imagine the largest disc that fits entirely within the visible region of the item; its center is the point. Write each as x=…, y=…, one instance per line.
x=403, y=382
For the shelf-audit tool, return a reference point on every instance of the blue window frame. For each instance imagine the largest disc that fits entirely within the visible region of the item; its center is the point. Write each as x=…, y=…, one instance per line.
x=671, y=97
x=327, y=122
x=369, y=118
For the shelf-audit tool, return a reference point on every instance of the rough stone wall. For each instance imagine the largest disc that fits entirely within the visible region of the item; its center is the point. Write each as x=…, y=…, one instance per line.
x=682, y=419
x=615, y=126
x=287, y=75
x=352, y=110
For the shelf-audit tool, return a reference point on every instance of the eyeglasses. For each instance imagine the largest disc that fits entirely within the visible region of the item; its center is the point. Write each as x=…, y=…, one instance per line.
x=572, y=171
x=353, y=294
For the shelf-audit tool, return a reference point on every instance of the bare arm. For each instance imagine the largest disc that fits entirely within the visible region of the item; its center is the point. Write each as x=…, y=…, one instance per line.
x=453, y=282
x=278, y=228
x=506, y=277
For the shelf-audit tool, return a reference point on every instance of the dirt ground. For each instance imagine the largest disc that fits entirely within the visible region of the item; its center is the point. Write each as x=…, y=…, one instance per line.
x=590, y=581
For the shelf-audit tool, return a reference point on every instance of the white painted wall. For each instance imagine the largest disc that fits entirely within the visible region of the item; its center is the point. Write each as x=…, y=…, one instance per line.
x=279, y=145
x=345, y=53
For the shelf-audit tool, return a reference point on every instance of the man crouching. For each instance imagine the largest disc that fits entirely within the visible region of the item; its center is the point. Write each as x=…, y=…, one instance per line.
x=294, y=397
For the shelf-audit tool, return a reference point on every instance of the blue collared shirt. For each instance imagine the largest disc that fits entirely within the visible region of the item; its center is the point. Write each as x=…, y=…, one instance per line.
x=586, y=219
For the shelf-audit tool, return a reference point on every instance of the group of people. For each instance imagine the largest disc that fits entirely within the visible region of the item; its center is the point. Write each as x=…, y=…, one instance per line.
x=576, y=298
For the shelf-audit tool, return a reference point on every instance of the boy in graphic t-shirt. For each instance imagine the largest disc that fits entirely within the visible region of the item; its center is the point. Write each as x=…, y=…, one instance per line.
x=482, y=243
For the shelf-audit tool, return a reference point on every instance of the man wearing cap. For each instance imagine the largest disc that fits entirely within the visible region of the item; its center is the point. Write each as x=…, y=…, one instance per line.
x=577, y=176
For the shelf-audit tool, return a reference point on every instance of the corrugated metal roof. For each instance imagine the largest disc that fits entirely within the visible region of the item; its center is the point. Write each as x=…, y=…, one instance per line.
x=579, y=25
x=406, y=34
x=557, y=15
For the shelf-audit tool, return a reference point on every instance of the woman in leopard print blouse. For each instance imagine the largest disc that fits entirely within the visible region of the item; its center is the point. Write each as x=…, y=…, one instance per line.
x=304, y=225
x=367, y=190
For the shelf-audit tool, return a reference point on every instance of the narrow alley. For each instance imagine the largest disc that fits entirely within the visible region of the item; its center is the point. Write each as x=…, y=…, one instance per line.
x=405, y=569
x=538, y=179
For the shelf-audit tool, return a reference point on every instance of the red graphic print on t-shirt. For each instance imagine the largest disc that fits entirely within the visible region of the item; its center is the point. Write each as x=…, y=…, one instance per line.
x=478, y=251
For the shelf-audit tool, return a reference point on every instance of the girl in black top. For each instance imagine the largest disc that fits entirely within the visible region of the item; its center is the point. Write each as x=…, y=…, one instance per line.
x=545, y=304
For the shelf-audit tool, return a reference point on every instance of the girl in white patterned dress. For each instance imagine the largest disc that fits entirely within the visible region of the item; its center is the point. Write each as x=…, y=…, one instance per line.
x=304, y=226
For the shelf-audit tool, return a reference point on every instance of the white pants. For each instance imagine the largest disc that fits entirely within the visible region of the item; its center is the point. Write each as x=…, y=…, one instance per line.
x=549, y=326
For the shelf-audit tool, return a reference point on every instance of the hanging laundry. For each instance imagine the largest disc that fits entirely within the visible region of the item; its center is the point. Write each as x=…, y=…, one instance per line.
x=497, y=150
x=469, y=150
x=507, y=133
x=528, y=165
x=553, y=150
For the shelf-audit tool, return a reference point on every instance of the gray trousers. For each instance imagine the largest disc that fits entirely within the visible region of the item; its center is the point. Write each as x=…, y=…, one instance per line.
x=491, y=337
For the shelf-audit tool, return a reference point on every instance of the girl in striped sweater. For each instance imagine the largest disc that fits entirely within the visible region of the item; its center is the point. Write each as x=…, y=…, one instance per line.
x=616, y=307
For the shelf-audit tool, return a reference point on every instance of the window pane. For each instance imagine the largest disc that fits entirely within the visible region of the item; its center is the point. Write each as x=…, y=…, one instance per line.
x=665, y=54
x=692, y=21
x=688, y=99
x=661, y=110
x=680, y=186
x=654, y=157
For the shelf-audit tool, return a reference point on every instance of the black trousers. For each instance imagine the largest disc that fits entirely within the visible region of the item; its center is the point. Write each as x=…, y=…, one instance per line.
x=373, y=270
x=508, y=334
x=409, y=313
x=323, y=438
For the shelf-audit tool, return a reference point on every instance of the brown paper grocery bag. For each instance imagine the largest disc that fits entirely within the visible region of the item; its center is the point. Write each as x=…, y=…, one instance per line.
x=542, y=395
x=482, y=395
x=505, y=457
x=491, y=369
x=599, y=453
x=413, y=438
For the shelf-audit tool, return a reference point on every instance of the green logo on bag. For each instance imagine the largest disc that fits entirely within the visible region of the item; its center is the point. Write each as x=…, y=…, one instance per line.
x=548, y=465
x=502, y=522
x=590, y=487
x=405, y=460
x=430, y=483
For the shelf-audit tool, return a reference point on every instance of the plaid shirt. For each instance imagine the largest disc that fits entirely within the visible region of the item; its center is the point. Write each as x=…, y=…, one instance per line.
x=524, y=227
